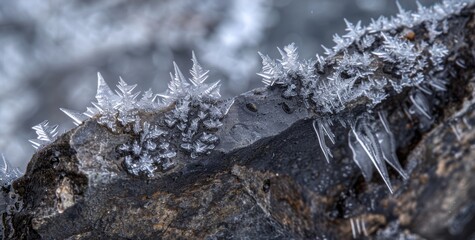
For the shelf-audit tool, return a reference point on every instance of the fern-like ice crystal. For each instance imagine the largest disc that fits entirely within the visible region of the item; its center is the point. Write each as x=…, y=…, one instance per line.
x=46, y=134
x=7, y=172
x=196, y=113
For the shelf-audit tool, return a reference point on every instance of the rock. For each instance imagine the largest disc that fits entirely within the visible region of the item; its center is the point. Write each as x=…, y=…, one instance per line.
x=267, y=178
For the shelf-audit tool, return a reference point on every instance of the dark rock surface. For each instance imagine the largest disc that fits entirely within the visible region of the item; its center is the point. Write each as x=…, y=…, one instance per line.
x=267, y=179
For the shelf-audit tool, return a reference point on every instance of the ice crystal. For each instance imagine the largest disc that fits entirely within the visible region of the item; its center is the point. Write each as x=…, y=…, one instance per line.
x=180, y=87
x=208, y=116
x=271, y=71
x=404, y=17
x=420, y=104
x=290, y=58
x=151, y=150
x=46, y=134
x=354, y=31
x=372, y=144
x=7, y=172
x=366, y=149
x=358, y=228
x=77, y=118
x=322, y=129
x=199, y=75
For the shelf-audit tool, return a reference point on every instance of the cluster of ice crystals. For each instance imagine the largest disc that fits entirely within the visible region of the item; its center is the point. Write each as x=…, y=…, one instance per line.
x=197, y=121
x=350, y=72
x=46, y=134
x=150, y=151
x=7, y=172
x=195, y=116
x=406, y=18
x=195, y=87
x=119, y=107
x=373, y=144
x=325, y=87
x=284, y=70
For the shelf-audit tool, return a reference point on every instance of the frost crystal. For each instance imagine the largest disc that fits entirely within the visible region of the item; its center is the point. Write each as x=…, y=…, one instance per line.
x=144, y=156
x=271, y=71
x=179, y=87
x=322, y=129
x=289, y=58
x=368, y=147
x=354, y=31
x=7, y=173
x=78, y=118
x=46, y=134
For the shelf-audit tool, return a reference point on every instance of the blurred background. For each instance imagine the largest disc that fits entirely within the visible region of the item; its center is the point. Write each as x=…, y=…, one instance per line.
x=51, y=50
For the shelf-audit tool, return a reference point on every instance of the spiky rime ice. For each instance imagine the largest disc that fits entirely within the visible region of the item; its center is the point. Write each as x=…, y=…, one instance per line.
x=195, y=115
x=46, y=134
x=348, y=75
x=7, y=172
x=326, y=86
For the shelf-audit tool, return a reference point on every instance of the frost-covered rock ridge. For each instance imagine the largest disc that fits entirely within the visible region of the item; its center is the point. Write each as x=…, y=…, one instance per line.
x=191, y=107
x=366, y=66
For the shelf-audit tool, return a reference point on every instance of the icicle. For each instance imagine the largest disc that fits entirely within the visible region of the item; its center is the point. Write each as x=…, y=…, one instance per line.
x=7, y=173
x=388, y=145
x=424, y=89
x=322, y=129
x=438, y=84
x=467, y=124
x=368, y=142
x=456, y=130
x=326, y=123
x=353, y=229
x=358, y=227
x=360, y=157
x=421, y=104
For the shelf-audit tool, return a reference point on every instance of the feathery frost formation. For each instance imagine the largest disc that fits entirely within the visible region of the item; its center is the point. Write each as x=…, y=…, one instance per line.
x=46, y=134
x=349, y=74
x=7, y=172
x=195, y=115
